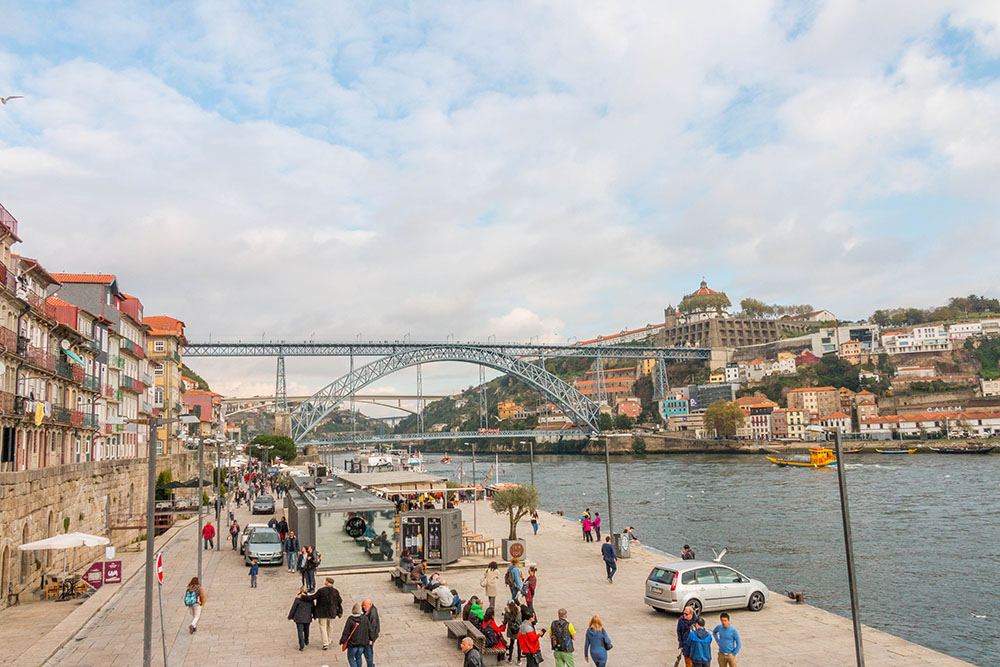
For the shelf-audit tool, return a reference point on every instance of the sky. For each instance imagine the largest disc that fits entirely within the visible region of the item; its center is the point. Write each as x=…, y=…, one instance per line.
x=334, y=170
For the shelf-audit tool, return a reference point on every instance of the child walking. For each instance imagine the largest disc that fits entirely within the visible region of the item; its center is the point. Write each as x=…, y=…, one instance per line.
x=254, y=568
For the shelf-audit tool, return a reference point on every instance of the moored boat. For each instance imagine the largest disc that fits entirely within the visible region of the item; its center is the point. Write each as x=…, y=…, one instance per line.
x=975, y=449
x=853, y=451
x=818, y=457
x=897, y=451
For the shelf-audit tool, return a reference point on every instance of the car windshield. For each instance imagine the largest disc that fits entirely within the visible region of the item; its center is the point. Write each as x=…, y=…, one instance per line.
x=662, y=576
x=264, y=537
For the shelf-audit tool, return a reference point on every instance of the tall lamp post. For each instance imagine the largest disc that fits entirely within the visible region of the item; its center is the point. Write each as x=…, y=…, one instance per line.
x=845, y=516
x=475, y=489
x=531, y=458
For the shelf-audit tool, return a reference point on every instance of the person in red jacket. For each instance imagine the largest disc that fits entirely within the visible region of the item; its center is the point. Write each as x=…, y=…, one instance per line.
x=527, y=638
x=490, y=626
x=208, y=532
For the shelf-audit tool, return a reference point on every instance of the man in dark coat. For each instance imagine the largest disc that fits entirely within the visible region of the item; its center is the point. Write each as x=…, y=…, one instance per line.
x=302, y=613
x=328, y=607
x=472, y=656
x=374, y=628
x=684, y=625
x=355, y=635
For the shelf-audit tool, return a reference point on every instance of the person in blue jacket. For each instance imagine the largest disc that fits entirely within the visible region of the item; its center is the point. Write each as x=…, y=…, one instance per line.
x=699, y=644
x=597, y=643
x=514, y=581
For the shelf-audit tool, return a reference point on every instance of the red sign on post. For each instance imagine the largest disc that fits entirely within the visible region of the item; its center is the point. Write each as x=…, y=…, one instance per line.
x=95, y=575
x=159, y=567
x=113, y=572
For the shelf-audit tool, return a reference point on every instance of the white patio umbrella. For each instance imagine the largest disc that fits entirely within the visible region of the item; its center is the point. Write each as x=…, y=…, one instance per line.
x=65, y=541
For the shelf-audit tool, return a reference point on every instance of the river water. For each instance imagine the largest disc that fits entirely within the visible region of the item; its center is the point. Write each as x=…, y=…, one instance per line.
x=926, y=529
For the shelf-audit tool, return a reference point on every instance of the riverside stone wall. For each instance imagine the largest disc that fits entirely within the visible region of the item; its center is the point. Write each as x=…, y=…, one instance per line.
x=77, y=497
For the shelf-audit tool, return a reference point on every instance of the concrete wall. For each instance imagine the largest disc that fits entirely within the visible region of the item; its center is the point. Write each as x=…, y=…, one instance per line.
x=35, y=504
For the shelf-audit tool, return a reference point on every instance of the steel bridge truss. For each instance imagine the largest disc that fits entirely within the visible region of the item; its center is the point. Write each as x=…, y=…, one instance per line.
x=444, y=435
x=386, y=348
x=574, y=405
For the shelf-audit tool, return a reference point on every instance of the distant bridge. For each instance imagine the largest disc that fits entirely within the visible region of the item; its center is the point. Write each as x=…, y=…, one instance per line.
x=525, y=362
x=443, y=435
x=234, y=406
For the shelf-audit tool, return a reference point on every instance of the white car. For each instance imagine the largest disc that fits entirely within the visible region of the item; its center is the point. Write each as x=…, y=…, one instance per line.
x=703, y=585
x=247, y=529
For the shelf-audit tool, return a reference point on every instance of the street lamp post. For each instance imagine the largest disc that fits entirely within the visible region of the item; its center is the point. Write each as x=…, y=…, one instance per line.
x=852, y=583
x=475, y=490
x=201, y=481
x=531, y=458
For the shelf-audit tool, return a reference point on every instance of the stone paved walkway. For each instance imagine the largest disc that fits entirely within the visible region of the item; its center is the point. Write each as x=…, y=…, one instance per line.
x=248, y=627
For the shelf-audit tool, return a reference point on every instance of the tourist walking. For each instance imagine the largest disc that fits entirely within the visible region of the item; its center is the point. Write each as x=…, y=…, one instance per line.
x=312, y=564
x=684, y=625
x=490, y=580
x=513, y=578
x=291, y=548
x=561, y=634
x=375, y=629
x=610, y=558
x=529, y=586
x=584, y=517
x=234, y=533
x=597, y=643
x=597, y=526
x=728, y=640
x=302, y=613
x=534, y=521
x=208, y=534
x=355, y=636
x=472, y=656
x=300, y=564
x=254, y=569
x=588, y=525
x=282, y=529
x=687, y=553
x=528, y=639
x=699, y=644
x=194, y=600
x=328, y=606
x=512, y=620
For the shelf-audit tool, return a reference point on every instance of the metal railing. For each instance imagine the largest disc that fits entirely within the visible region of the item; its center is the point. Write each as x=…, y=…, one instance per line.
x=8, y=221
x=64, y=369
x=76, y=418
x=91, y=382
x=119, y=395
x=61, y=415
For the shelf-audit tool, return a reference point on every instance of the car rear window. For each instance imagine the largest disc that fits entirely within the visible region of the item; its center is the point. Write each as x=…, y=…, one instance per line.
x=265, y=499
x=264, y=537
x=662, y=576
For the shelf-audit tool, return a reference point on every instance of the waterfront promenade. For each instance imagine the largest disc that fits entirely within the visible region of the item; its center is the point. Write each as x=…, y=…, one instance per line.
x=244, y=627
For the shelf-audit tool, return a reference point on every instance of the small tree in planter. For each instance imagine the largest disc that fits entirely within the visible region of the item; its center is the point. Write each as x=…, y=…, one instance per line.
x=517, y=502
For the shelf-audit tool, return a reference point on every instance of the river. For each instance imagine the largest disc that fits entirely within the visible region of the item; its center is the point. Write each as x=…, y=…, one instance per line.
x=926, y=529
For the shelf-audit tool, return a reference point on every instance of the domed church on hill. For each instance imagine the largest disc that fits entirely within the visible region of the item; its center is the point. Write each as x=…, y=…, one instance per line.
x=703, y=304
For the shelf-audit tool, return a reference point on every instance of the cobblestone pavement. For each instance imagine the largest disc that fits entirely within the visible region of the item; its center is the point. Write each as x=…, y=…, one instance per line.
x=247, y=627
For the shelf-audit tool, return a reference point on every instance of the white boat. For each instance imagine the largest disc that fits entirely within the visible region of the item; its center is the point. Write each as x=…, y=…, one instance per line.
x=370, y=461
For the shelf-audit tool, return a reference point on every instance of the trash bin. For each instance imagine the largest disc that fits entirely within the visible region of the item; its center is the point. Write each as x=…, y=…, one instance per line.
x=623, y=545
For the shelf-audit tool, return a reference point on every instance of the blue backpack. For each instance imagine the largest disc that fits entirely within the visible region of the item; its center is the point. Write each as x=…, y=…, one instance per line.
x=190, y=599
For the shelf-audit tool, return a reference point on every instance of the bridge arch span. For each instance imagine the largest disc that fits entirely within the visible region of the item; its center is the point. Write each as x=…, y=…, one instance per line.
x=575, y=405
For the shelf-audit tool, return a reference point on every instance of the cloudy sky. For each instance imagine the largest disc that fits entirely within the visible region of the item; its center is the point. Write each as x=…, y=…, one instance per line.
x=562, y=170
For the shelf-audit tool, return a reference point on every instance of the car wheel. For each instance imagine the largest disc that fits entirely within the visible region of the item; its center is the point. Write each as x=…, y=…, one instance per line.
x=695, y=605
x=756, y=602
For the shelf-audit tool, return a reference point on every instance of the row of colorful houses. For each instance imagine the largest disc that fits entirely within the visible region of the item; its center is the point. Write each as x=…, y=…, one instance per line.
x=78, y=355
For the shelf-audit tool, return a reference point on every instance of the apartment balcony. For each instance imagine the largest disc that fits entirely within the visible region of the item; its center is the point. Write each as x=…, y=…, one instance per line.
x=90, y=421
x=64, y=369
x=127, y=346
x=61, y=415
x=176, y=357
x=119, y=395
x=107, y=391
x=131, y=384
x=106, y=429
x=91, y=382
x=8, y=338
x=139, y=351
x=92, y=344
x=76, y=418
x=36, y=355
x=116, y=363
x=145, y=407
x=147, y=379
x=138, y=386
x=38, y=303
x=8, y=221
x=158, y=404
x=7, y=279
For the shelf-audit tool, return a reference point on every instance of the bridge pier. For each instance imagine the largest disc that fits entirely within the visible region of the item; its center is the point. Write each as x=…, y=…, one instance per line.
x=282, y=423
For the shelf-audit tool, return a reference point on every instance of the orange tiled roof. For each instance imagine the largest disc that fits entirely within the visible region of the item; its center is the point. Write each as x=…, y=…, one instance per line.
x=56, y=301
x=99, y=278
x=837, y=415
x=163, y=323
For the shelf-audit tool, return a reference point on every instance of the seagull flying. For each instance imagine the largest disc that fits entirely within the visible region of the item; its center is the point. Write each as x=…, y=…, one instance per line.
x=4, y=100
x=718, y=556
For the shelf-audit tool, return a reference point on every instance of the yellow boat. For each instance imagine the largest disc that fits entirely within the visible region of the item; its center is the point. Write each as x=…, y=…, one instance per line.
x=819, y=457
x=897, y=451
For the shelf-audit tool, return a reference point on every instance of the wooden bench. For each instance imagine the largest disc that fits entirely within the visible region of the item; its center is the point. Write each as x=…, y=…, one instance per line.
x=438, y=611
x=419, y=596
x=490, y=655
x=398, y=577
x=456, y=629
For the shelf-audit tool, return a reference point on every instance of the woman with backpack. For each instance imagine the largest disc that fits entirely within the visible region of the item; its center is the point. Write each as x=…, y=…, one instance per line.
x=489, y=582
x=529, y=586
x=492, y=631
x=302, y=613
x=513, y=578
x=194, y=600
x=597, y=643
x=511, y=620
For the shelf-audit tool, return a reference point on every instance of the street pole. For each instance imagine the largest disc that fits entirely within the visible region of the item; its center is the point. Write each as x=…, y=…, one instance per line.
x=163, y=629
x=845, y=515
x=531, y=459
x=475, y=491
x=218, y=495
x=147, y=609
x=201, y=481
x=607, y=477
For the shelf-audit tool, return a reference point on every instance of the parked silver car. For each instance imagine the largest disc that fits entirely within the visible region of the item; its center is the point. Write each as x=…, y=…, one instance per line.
x=264, y=545
x=249, y=528
x=702, y=585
